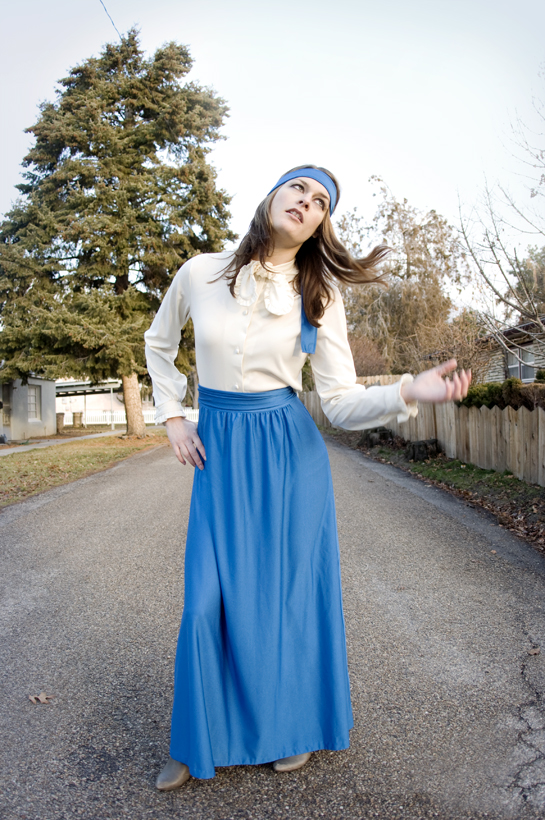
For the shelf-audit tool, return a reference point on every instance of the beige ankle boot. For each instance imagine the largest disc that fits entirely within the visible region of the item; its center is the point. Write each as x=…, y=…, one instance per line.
x=290, y=764
x=172, y=775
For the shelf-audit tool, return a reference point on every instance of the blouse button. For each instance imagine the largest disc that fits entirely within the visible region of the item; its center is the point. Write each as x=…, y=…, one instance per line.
x=236, y=386
x=237, y=350
x=245, y=313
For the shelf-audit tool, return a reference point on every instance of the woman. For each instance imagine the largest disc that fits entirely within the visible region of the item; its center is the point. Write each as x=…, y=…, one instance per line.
x=261, y=672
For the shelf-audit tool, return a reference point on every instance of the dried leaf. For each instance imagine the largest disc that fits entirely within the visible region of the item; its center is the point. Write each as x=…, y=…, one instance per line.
x=536, y=650
x=41, y=698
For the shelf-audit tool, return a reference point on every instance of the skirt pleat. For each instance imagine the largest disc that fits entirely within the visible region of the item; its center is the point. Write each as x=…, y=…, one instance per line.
x=261, y=669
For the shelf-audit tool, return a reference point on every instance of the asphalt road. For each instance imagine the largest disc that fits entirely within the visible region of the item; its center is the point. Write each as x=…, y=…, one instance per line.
x=448, y=700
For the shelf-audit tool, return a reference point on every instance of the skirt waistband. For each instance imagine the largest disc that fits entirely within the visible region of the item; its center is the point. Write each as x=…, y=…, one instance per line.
x=245, y=402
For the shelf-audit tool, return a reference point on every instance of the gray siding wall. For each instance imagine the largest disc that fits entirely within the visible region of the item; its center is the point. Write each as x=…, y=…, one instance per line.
x=539, y=352
x=495, y=370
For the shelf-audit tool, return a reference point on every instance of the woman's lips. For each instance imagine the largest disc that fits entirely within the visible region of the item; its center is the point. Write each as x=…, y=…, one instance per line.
x=295, y=214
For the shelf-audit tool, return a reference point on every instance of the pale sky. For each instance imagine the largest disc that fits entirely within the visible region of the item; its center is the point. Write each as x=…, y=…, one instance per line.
x=421, y=93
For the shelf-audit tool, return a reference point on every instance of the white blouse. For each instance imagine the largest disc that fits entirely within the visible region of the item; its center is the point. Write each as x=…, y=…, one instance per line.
x=252, y=343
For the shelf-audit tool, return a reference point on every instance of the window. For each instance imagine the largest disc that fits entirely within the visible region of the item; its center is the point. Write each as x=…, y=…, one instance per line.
x=525, y=369
x=34, y=402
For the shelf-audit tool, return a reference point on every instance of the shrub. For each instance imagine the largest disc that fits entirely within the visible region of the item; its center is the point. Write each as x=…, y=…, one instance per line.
x=368, y=359
x=489, y=394
x=540, y=376
x=510, y=393
x=533, y=395
x=510, y=390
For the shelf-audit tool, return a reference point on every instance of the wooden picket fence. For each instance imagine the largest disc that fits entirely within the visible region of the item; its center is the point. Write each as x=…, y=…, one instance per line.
x=494, y=439
x=311, y=400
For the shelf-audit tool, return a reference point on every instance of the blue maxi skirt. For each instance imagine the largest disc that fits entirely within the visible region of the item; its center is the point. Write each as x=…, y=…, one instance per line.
x=261, y=670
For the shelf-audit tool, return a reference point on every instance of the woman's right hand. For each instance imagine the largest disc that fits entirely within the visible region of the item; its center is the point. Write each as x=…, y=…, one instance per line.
x=185, y=441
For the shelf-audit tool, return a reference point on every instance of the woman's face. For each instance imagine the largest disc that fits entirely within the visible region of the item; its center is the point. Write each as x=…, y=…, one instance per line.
x=297, y=210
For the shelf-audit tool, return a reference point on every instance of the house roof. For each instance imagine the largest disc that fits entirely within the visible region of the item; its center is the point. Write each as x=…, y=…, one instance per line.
x=519, y=333
x=82, y=388
x=523, y=328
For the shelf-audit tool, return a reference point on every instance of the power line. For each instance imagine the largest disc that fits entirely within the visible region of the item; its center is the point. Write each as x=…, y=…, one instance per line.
x=111, y=21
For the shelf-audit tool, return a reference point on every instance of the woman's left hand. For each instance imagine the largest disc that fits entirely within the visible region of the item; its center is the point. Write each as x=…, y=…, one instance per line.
x=430, y=386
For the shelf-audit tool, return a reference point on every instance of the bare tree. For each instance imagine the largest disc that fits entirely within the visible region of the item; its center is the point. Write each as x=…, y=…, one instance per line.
x=426, y=265
x=513, y=281
x=513, y=284
x=463, y=338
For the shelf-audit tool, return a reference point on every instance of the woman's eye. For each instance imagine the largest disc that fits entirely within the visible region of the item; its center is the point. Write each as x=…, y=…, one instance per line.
x=321, y=203
x=298, y=185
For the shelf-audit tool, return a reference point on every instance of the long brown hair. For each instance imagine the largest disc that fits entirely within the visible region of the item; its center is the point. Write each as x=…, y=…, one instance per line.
x=320, y=260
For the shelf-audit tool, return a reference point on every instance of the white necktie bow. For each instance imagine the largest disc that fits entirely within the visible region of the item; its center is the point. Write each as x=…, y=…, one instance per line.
x=279, y=294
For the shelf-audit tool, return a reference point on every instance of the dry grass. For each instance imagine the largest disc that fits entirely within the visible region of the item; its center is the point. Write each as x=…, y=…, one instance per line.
x=25, y=474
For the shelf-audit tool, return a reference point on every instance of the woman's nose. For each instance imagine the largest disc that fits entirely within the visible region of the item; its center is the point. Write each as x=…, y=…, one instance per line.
x=304, y=202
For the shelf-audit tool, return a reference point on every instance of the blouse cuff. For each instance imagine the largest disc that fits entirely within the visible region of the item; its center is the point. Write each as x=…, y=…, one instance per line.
x=407, y=409
x=168, y=410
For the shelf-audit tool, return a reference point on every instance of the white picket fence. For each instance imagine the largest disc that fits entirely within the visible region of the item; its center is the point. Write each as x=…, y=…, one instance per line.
x=105, y=417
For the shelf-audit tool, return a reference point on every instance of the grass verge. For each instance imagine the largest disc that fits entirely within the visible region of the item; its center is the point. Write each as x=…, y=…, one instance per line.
x=518, y=506
x=25, y=474
x=68, y=432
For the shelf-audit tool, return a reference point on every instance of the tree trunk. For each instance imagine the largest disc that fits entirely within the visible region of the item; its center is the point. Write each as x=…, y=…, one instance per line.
x=189, y=393
x=195, y=390
x=133, y=406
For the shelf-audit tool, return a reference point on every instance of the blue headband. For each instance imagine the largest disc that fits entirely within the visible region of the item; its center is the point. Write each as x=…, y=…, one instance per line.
x=312, y=173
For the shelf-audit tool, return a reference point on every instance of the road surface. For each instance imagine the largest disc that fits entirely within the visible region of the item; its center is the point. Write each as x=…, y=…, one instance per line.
x=444, y=614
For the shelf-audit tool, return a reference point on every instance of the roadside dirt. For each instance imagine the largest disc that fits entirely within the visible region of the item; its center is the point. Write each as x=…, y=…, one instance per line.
x=518, y=506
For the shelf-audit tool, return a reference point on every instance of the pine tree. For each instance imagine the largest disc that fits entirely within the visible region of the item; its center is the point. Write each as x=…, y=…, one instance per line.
x=118, y=193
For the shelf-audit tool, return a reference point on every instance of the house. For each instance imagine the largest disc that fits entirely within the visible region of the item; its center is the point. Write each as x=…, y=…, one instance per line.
x=96, y=403
x=527, y=358
x=82, y=396
x=28, y=410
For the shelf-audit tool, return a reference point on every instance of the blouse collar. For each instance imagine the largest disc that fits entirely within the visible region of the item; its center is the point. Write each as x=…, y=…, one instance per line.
x=278, y=294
